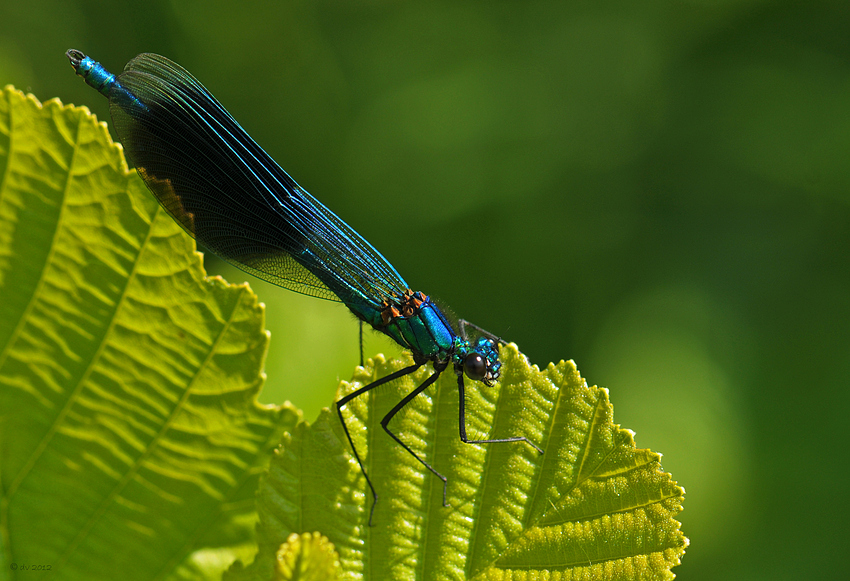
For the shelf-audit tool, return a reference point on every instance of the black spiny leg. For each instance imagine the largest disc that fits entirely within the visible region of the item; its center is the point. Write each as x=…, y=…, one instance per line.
x=462, y=422
x=341, y=403
x=438, y=369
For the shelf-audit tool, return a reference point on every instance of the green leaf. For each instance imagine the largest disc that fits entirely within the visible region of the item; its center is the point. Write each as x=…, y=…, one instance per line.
x=591, y=507
x=131, y=441
x=306, y=557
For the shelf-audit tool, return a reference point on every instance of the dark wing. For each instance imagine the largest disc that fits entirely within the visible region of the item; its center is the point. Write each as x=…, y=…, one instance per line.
x=227, y=192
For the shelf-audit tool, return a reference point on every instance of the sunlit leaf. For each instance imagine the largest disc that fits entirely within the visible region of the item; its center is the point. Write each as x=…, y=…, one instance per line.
x=130, y=437
x=593, y=506
x=306, y=557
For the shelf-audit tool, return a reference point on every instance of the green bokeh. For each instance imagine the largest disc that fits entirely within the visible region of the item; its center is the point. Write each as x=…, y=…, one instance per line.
x=656, y=190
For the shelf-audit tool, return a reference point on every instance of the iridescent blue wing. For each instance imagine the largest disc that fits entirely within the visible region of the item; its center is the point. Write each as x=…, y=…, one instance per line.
x=227, y=192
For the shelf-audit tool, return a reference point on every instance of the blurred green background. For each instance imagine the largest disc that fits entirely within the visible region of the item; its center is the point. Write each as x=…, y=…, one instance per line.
x=657, y=190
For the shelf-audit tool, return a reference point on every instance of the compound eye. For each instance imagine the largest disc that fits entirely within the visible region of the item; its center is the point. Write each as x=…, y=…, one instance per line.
x=475, y=366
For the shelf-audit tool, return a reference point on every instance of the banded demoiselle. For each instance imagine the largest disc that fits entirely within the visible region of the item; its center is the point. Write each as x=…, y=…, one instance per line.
x=227, y=193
